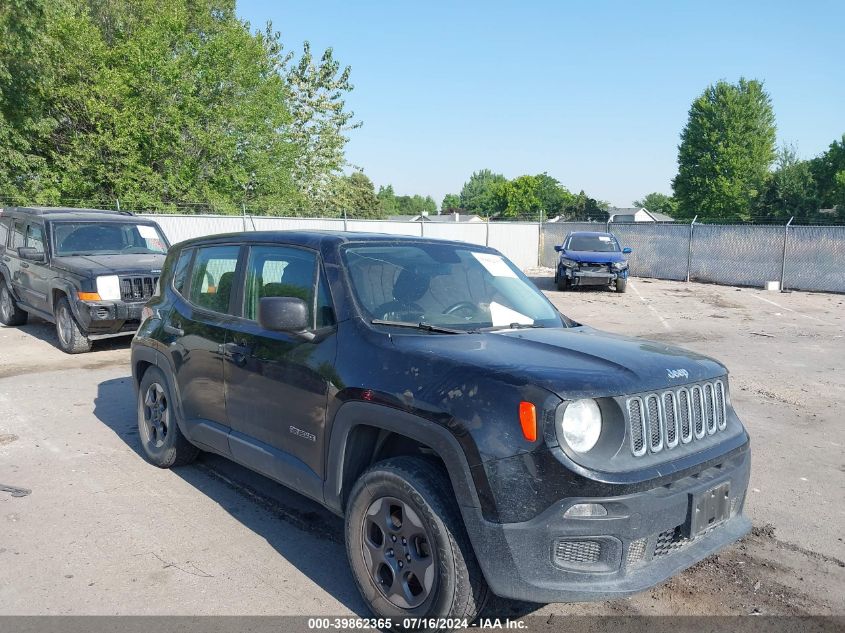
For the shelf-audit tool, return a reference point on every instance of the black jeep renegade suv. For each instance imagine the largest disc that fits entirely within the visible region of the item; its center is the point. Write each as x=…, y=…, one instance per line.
x=88, y=271
x=474, y=439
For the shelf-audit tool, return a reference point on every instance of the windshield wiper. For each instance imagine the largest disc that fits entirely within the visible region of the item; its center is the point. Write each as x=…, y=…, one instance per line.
x=427, y=327
x=512, y=326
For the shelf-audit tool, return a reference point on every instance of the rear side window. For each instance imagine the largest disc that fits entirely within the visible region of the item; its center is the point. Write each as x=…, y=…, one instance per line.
x=180, y=272
x=212, y=277
x=35, y=237
x=17, y=235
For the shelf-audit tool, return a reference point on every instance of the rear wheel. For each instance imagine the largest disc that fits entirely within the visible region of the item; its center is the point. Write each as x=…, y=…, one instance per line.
x=10, y=313
x=161, y=440
x=621, y=285
x=71, y=338
x=407, y=545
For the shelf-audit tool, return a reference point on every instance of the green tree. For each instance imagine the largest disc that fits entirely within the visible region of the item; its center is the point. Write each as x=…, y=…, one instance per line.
x=160, y=103
x=585, y=208
x=416, y=205
x=553, y=197
x=829, y=173
x=451, y=202
x=387, y=200
x=725, y=153
x=790, y=190
x=319, y=121
x=518, y=198
x=354, y=195
x=659, y=203
x=477, y=193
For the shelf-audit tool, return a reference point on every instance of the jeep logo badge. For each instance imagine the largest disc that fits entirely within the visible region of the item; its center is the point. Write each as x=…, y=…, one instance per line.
x=677, y=373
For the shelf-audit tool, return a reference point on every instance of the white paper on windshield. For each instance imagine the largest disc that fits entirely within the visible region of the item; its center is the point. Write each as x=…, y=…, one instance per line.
x=495, y=265
x=147, y=232
x=604, y=238
x=503, y=315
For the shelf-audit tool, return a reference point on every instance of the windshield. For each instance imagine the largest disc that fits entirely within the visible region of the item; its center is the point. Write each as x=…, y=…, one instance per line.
x=445, y=285
x=107, y=238
x=595, y=243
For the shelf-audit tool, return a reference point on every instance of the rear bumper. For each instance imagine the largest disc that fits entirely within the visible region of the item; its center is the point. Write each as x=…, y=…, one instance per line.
x=108, y=317
x=640, y=543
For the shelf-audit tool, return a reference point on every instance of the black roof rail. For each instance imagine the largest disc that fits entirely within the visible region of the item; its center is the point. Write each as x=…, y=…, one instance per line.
x=58, y=210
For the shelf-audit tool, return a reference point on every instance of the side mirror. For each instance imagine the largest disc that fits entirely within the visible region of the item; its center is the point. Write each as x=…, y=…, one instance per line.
x=284, y=314
x=558, y=247
x=627, y=250
x=31, y=254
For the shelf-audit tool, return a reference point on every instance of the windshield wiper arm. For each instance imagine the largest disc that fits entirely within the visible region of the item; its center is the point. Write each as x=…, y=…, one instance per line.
x=428, y=327
x=512, y=326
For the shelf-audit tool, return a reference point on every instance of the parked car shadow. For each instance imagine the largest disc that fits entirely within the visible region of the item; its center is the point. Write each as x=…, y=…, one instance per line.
x=46, y=331
x=300, y=530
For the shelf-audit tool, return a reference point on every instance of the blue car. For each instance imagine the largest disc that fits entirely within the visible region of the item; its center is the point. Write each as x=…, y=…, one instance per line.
x=591, y=259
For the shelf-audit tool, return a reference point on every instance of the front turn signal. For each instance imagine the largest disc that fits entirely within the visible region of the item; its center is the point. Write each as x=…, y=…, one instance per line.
x=528, y=420
x=88, y=296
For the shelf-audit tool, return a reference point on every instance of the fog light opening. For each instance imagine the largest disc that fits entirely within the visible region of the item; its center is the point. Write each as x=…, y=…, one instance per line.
x=585, y=510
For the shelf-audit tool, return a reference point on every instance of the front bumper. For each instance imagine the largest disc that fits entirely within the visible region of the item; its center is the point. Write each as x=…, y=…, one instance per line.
x=108, y=317
x=578, y=277
x=639, y=544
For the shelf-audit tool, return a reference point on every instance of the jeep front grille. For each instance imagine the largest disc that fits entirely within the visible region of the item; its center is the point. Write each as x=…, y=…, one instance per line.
x=663, y=420
x=139, y=288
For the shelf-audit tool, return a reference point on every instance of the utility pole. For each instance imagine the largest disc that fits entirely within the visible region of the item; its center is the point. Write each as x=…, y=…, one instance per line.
x=783, y=263
x=689, y=247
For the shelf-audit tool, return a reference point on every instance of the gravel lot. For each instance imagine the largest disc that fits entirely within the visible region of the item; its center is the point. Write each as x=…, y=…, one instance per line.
x=105, y=533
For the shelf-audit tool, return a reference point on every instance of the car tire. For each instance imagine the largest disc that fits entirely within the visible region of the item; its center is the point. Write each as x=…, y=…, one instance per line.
x=401, y=519
x=561, y=282
x=10, y=313
x=162, y=442
x=71, y=338
x=621, y=285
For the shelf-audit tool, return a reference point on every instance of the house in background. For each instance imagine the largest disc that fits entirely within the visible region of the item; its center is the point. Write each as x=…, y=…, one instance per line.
x=445, y=217
x=637, y=215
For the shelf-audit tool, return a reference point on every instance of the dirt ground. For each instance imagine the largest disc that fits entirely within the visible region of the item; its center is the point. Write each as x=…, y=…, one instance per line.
x=105, y=533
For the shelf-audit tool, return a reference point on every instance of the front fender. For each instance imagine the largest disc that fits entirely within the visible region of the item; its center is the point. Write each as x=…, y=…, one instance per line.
x=438, y=438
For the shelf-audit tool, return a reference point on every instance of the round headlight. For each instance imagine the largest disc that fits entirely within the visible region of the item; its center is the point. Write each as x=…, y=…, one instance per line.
x=581, y=425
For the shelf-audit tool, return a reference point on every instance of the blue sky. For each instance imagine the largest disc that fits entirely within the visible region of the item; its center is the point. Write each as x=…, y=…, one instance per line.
x=594, y=93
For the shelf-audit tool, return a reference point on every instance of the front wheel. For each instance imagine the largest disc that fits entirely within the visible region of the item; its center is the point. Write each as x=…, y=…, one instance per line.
x=621, y=285
x=10, y=313
x=71, y=338
x=161, y=440
x=561, y=281
x=407, y=545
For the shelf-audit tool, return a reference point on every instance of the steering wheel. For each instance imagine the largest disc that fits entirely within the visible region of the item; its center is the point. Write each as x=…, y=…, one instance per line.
x=471, y=307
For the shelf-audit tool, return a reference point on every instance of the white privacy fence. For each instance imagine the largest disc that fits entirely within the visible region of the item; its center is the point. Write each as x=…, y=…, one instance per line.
x=519, y=241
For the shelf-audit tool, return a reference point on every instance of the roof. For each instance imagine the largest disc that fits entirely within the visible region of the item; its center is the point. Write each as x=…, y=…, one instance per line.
x=316, y=239
x=660, y=217
x=66, y=213
x=589, y=233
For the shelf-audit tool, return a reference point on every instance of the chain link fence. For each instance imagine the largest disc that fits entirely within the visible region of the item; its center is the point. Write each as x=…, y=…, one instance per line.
x=799, y=257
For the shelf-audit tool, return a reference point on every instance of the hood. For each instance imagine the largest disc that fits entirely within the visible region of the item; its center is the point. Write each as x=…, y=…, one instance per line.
x=593, y=257
x=93, y=265
x=571, y=362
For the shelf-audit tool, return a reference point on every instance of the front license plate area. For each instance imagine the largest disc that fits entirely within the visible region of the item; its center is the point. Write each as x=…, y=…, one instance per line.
x=709, y=509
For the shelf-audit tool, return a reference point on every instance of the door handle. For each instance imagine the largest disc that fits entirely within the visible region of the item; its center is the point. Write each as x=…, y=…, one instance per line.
x=175, y=329
x=24, y=265
x=237, y=353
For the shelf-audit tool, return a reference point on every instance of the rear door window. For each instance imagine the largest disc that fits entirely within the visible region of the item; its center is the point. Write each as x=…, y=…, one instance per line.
x=212, y=277
x=17, y=238
x=4, y=232
x=181, y=271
